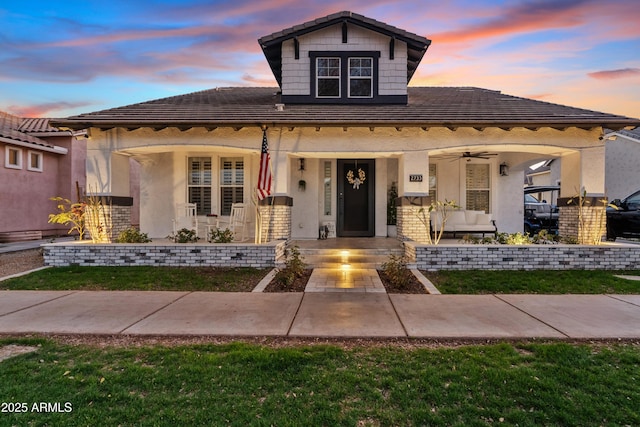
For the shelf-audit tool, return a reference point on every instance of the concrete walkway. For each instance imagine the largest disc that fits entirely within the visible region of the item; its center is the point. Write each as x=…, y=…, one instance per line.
x=321, y=314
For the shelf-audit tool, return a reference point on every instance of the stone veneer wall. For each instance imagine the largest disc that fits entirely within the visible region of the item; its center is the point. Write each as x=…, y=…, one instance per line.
x=116, y=211
x=410, y=223
x=525, y=257
x=593, y=218
x=275, y=216
x=169, y=254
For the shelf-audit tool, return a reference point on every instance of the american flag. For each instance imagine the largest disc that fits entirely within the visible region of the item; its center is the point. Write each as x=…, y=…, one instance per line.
x=264, y=177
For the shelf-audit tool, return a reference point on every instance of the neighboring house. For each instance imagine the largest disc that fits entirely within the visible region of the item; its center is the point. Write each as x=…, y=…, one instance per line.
x=344, y=121
x=39, y=162
x=623, y=163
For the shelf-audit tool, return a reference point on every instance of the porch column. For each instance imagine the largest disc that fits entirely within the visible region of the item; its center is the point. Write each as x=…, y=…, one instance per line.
x=413, y=201
x=275, y=218
x=108, y=175
x=582, y=203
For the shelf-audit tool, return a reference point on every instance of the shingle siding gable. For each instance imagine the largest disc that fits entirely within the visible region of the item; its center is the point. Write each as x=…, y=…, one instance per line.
x=296, y=76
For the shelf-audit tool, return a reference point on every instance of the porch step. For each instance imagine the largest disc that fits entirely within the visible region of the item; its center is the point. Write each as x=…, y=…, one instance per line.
x=355, y=258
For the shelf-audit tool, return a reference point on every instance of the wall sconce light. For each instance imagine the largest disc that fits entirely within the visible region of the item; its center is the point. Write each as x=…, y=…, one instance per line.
x=504, y=169
x=301, y=164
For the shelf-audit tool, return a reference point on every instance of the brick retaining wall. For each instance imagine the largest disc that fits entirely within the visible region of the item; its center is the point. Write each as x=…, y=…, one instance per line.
x=160, y=254
x=525, y=257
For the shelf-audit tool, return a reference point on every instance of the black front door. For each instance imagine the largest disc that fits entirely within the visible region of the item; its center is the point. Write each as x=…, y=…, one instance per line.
x=356, y=197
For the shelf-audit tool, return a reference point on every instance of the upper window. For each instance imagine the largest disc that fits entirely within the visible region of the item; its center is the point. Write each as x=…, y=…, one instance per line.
x=344, y=76
x=35, y=161
x=328, y=77
x=360, y=77
x=13, y=158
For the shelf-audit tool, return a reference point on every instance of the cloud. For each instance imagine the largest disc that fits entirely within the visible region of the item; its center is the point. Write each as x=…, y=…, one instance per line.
x=47, y=109
x=522, y=18
x=615, y=74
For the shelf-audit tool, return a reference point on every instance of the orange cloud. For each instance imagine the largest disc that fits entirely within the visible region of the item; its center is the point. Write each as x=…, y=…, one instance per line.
x=615, y=74
x=528, y=17
x=43, y=110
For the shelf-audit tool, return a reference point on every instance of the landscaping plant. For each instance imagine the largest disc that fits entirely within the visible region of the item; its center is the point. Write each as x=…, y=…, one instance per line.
x=132, y=235
x=184, y=235
x=294, y=267
x=397, y=272
x=221, y=235
x=69, y=213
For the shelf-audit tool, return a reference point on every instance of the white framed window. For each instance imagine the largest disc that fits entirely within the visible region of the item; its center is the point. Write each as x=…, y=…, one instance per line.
x=35, y=161
x=328, y=77
x=360, y=77
x=13, y=158
x=433, y=182
x=231, y=183
x=199, y=184
x=478, y=183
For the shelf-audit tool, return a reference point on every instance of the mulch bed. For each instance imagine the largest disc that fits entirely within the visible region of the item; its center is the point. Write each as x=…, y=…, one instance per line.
x=298, y=285
x=413, y=287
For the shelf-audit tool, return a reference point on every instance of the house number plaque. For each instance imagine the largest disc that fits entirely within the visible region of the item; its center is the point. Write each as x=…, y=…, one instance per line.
x=415, y=178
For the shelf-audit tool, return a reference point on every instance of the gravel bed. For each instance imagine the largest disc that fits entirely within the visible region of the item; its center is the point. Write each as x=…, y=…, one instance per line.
x=18, y=262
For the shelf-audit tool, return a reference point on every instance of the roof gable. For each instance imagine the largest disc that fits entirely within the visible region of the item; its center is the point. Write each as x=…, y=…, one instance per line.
x=272, y=43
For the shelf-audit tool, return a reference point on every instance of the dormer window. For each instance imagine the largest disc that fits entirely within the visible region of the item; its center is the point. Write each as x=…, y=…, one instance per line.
x=360, y=77
x=328, y=77
x=344, y=77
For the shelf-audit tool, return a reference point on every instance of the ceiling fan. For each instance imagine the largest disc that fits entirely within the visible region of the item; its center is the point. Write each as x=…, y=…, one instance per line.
x=469, y=155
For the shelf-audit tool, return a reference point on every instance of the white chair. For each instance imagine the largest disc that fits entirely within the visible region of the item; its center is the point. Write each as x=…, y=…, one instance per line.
x=237, y=222
x=185, y=217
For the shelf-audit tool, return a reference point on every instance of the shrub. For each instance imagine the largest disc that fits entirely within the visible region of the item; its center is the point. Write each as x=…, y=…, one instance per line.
x=294, y=267
x=397, y=272
x=184, y=235
x=132, y=235
x=221, y=235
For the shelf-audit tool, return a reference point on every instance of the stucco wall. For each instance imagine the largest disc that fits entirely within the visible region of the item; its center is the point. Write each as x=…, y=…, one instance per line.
x=24, y=194
x=622, y=168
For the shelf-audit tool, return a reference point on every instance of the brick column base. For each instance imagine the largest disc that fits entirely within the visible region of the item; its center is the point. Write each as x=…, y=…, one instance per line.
x=585, y=224
x=411, y=222
x=113, y=217
x=275, y=218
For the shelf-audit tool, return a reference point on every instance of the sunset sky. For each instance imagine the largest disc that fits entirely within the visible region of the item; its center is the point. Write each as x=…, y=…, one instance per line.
x=60, y=58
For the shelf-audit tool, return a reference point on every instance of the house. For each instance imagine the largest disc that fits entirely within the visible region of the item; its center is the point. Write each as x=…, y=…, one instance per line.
x=343, y=127
x=39, y=162
x=622, y=163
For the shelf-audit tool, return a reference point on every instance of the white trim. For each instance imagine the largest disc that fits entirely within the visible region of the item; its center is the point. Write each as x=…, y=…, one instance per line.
x=50, y=149
x=7, y=163
x=349, y=77
x=40, y=165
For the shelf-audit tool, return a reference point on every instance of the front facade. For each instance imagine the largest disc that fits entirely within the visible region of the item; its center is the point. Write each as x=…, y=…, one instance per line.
x=343, y=129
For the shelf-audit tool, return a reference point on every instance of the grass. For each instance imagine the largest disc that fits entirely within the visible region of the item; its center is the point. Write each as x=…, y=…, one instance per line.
x=244, y=384
x=534, y=282
x=139, y=278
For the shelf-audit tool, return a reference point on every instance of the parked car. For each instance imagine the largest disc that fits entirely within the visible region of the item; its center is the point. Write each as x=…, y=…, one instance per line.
x=540, y=215
x=623, y=217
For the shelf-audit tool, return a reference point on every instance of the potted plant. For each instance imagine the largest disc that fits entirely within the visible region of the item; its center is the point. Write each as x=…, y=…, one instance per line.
x=392, y=213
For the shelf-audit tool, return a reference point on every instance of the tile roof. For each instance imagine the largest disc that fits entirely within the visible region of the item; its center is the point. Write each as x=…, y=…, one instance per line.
x=427, y=107
x=631, y=134
x=10, y=131
x=272, y=43
x=38, y=125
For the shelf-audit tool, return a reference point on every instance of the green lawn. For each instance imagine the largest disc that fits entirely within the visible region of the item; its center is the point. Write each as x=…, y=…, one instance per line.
x=139, y=278
x=244, y=384
x=533, y=282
